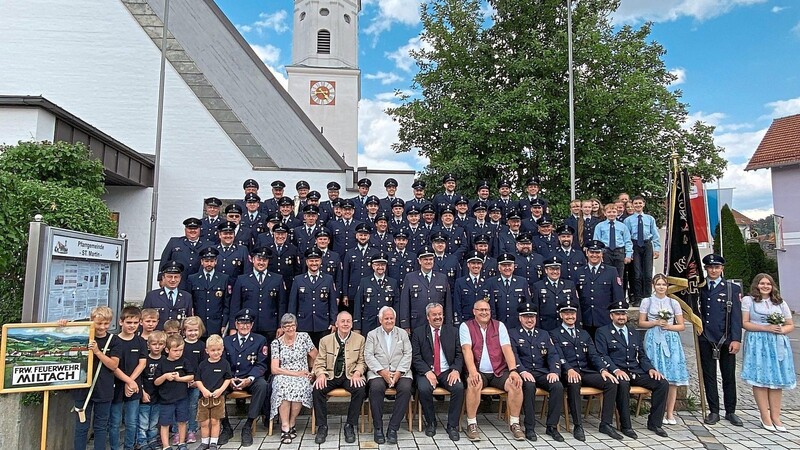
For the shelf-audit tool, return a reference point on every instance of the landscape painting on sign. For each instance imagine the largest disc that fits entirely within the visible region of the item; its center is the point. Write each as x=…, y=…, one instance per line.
x=39, y=357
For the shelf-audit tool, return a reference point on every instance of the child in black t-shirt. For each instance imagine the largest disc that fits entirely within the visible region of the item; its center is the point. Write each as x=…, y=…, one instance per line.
x=106, y=359
x=132, y=358
x=149, y=322
x=193, y=353
x=148, y=408
x=212, y=379
x=172, y=378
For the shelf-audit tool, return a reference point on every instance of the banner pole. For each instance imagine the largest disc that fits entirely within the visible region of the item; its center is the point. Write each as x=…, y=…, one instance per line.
x=700, y=374
x=45, y=408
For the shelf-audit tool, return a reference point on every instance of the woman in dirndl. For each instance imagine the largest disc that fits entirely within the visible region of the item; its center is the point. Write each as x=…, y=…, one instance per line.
x=768, y=365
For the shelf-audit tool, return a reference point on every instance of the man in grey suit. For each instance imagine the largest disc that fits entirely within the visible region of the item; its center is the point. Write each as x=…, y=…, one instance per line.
x=387, y=353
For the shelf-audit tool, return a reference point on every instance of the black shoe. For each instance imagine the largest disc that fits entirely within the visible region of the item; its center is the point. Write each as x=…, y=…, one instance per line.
x=610, y=431
x=630, y=433
x=531, y=435
x=391, y=436
x=378, y=436
x=225, y=435
x=349, y=434
x=577, y=432
x=553, y=433
x=247, y=436
x=734, y=419
x=712, y=418
x=657, y=430
x=322, y=434
x=430, y=429
x=453, y=433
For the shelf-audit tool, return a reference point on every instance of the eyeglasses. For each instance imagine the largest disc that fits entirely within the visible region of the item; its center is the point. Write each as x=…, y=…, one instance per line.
x=482, y=309
x=289, y=325
x=244, y=322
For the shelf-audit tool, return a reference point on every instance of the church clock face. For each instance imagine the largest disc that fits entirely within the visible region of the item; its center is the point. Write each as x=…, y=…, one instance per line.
x=323, y=93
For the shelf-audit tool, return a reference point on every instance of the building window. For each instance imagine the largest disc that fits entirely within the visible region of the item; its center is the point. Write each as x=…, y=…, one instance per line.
x=347, y=18
x=324, y=12
x=302, y=16
x=324, y=42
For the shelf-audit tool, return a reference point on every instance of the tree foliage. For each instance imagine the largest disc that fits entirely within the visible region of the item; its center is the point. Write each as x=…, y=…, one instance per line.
x=491, y=101
x=59, y=181
x=737, y=261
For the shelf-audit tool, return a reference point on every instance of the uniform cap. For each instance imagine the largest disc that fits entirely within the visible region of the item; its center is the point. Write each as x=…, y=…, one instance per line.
x=337, y=202
x=398, y=202
x=245, y=315
x=418, y=185
x=483, y=184
x=311, y=209
x=363, y=228
x=280, y=228
x=248, y=183
x=347, y=203
x=302, y=184
x=233, y=208
x=285, y=201
x=506, y=258
x=372, y=199
x=713, y=260
x=401, y=234
x=172, y=267
x=274, y=217
x=252, y=197
x=312, y=252
x=381, y=216
x=448, y=210
x=480, y=205
x=495, y=208
x=524, y=238
x=379, y=257
x=504, y=183
x=621, y=305
x=413, y=209
x=226, y=226
x=544, y=221
x=564, y=229
x=365, y=182
x=390, y=182
x=322, y=232
x=262, y=252
x=513, y=215
x=595, y=245
x=537, y=202
x=314, y=195
x=333, y=186
x=192, y=222
x=481, y=239
x=439, y=236
x=553, y=261
x=425, y=252
x=213, y=201
x=428, y=208
x=448, y=177
x=527, y=309
x=567, y=305
x=473, y=255
x=278, y=184
x=533, y=181
x=209, y=253
x=462, y=200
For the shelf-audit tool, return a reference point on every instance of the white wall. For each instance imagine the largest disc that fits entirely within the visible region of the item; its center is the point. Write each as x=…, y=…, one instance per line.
x=25, y=124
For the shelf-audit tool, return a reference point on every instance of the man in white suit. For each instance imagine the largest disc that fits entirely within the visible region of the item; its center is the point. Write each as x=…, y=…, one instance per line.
x=387, y=353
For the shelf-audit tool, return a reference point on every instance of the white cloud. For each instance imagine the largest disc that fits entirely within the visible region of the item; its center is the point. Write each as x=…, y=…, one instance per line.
x=757, y=213
x=666, y=10
x=402, y=57
x=273, y=21
x=717, y=120
x=244, y=28
x=282, y=79
x=390, y=12
x=752, y=190
x=269, y=54
x=796, y=29
x=384, y=77
x=739, y=146
x=376, y=134
x=777, y=9
x=680, y=73
x=783, y=108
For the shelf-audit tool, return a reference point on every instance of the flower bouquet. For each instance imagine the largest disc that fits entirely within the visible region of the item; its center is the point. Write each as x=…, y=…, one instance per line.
x=664, y=314
x=776, y=318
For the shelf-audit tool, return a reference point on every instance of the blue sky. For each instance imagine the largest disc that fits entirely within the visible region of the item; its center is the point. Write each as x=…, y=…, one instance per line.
x=737, y=62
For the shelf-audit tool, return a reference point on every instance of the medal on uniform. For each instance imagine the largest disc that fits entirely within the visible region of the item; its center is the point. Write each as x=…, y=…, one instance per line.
x=252, y=358
x=273, y=293
x=324, y=294
x=288, y=260
x=219, y=294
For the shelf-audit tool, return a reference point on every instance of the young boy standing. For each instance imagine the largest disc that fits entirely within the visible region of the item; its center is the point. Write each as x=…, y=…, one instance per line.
x=212, y=380
x=149, y=322
x=193, y=353
x=132, y=358
x=98, y=407
x=172, y=378
x=147, y=438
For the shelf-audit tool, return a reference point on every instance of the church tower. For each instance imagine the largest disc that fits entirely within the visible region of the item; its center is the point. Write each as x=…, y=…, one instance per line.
x=324, y=78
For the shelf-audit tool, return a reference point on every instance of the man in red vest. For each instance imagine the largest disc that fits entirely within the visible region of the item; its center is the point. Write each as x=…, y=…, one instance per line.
x=489, y=360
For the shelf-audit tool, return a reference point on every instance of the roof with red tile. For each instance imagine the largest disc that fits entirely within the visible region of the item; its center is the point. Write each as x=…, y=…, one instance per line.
x=740, y=218
x=780, y=146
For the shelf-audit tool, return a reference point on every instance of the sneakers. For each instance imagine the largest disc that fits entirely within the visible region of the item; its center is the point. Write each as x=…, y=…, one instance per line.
x=516, y=432
x=191, y=438
x=473, y=434
x=176, y=439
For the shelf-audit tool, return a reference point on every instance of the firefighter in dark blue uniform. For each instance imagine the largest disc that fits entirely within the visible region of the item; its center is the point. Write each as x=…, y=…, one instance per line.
x=401, y=260
x=233, y=259
x=420, y=288
x=418, y=186
x=445, y=263
x=507, y=291
x=449, y=196
x=355, y=265
x=250, y=186
x=253, y=218
x=304, y=235
x=581, y=365
x=271, y=206
x=539, y=366
x=185, y=249
x=374, y=293
x=171, y=302
x=242, y=235
x=470, y=288
x=386, y=203
x=599, y=286
x=505, y=202
x=397, y=217
x=285, y=259
x=552, y=291
x=331, y=261
x=344, y=230
x=572, y=257
x=544, y=240
x=313, y=298
x=529, y=265
x=381, y=239
x=457, y=239
x=360, y=200
x=263, y=292
x=326, y=207
x=489, y=267
x=418, y=235
x=531, y=196
x=211, y=291
x=322, y=215
x=208, y=230
x=479, y=226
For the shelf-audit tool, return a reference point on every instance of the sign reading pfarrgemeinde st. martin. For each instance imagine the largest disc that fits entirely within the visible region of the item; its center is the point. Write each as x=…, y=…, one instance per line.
x=66, y=246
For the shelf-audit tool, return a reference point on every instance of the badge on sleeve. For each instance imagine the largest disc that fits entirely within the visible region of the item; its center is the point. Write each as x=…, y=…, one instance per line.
x=264, y=350
x=619, y=281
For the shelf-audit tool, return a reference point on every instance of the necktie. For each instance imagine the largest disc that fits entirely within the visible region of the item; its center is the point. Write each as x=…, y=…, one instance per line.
x=364, y=251
x=437, y=353
x=260, y=277
x=381, y=282
x=530, y=333
x=252, y=217
x=640, y=230
x=612, y=236
x=208, y=277
x=624, y=335
x=313, y=279
x=428, y=277
x=309, y=231
x=347, y=223
x=171, y=296
x=508, y=283
x=280, y=249
x=712, y=285
x=594, y=270
x=241, y=341
x=572, y=332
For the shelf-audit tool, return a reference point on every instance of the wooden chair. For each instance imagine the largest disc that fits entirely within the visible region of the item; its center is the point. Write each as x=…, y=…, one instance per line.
x=235, y=395
x=586, y=391
x=437, y=391
x=502, y=411
x=409, y=412
x=340, y=393
x=640, y=393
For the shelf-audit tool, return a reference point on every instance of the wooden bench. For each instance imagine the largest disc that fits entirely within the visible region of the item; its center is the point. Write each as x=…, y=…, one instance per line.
x=340, y=393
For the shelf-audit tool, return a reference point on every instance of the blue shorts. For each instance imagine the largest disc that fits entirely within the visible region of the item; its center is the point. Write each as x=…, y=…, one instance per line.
x=171, y=413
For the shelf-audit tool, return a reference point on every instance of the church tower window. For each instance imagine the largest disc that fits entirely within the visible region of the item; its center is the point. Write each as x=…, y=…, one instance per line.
x=324, y=42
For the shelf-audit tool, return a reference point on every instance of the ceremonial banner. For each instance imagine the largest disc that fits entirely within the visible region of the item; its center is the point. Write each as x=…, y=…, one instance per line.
x=683, y=263
x=44, y=356
x=697, y=198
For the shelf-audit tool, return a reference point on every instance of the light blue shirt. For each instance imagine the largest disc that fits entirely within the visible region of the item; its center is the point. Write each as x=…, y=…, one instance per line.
x=650, y=229
x=602, y=233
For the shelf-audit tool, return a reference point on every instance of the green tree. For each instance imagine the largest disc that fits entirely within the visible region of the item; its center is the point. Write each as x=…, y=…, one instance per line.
x=492, y=102
x=737, y=262
x=60, y=181
x=759, y=262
